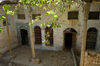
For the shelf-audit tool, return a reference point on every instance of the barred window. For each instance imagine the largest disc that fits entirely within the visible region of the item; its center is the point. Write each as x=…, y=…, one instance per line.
x=37, y=31
x=73, y=15
x=94, y=15
x=21, y=16
x=50, y=38
x=91, y=39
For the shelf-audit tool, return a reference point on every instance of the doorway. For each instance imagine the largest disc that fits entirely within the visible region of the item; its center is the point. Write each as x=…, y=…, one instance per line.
x=68, y=40
x=24, y=37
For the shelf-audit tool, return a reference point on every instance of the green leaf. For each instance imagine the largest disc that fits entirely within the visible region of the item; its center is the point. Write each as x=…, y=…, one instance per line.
x=52, y=12
x=1, y=29
x=28, y=1
x=6, y=7
x=2, y=17
x=43, y=25
x=29, y=24
x=20, y=0
x=32, y=22
x=46, y=42
x=49, y=25
x=55, y=16
x=62, y=9
x=44, y=8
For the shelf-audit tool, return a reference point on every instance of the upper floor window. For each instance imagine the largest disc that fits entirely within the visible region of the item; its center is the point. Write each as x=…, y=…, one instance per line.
x=87, y=0
x=73, y=15
x=21, y=16
x=35, y=15
x=94, y=15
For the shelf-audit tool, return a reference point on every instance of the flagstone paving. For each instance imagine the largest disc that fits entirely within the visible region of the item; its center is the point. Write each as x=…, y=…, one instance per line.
x=48, y=58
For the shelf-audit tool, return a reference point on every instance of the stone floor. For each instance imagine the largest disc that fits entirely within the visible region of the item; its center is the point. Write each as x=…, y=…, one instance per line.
x=48, y=58
x=3, y=62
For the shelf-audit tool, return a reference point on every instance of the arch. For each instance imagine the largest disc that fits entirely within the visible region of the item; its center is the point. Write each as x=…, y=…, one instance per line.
x=50, y=38
x=37, y=31
x=70, y=30
x=92, y=29
x=69, y=38
x=91, y=38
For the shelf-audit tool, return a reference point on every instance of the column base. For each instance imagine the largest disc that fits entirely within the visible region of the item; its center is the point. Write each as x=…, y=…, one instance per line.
x=12, y=57
x=36, y=60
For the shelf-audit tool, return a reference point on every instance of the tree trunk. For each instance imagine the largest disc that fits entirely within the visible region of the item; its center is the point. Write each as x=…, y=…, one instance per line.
x=31, y=33
x=86, y=9
x=7, y=27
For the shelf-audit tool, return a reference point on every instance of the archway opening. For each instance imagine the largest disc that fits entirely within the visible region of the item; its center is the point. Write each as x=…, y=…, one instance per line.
x=91, y=39
x=69, y=38
x=37, y=31
x=24, y=37
x=49, y=30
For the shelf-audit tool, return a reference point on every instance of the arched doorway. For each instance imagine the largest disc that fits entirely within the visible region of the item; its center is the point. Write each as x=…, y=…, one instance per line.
x=50, y=38
x=37, y=31
x=69, y=38
x=24, y=37
x=91, y=38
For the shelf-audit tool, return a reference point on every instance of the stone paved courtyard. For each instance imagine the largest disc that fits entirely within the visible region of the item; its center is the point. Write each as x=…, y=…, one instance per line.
x=48, y=58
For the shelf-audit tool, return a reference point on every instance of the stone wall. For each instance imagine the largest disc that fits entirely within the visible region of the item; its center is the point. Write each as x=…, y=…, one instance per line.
x=92, y=58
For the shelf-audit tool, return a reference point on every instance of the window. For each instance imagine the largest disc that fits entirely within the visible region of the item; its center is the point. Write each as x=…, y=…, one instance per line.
x=4, y=23
x=94, y=15
x=50, y=38
x=73, y=15
x=87, y=0
x=37, y=31
x=91, y=39
x=21, y=16
x=35, y=15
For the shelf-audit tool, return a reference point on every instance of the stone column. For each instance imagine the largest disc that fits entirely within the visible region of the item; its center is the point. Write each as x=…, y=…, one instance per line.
x=85, y=11
x=43, y=35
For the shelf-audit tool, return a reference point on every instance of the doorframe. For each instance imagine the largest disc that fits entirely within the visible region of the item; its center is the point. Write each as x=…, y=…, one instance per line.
x=20, y=26
x=73, y=39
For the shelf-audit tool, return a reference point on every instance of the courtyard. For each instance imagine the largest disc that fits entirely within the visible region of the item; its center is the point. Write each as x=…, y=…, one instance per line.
x=48, y=58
